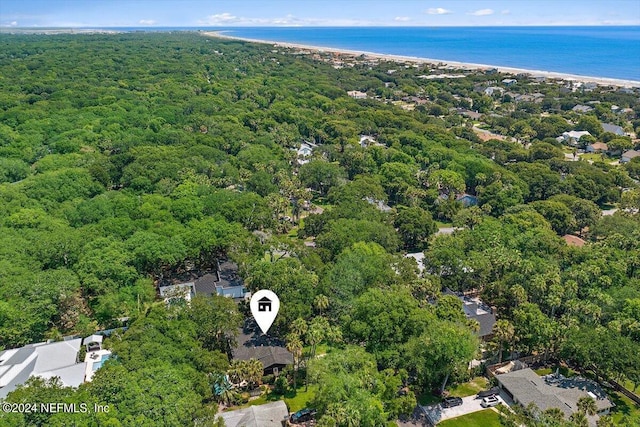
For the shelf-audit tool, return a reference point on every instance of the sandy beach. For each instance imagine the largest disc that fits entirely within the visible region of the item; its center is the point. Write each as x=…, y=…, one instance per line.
x=603, y=81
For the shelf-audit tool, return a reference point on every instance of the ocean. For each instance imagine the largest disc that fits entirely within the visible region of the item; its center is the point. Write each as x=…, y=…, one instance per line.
x=611, y=52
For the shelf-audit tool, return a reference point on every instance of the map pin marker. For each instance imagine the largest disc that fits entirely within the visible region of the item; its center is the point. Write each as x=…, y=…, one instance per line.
x=264, y=307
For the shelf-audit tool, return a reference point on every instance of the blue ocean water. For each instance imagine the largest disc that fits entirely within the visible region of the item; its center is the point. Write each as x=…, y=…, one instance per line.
x=612, y=52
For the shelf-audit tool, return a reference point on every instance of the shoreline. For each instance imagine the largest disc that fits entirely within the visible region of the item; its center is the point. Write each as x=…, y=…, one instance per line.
x=601, y=81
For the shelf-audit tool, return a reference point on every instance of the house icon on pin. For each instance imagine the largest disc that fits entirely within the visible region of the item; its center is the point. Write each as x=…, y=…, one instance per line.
x=264, y=304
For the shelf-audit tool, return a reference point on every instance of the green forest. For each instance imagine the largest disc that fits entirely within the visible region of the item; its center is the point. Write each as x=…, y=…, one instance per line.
x=129, y=158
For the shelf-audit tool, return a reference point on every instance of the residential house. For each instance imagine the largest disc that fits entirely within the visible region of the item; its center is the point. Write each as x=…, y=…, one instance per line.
x=225, y=282
x=274, y=414
x=489, y=91
x=572, y=240
x=253, y=344
x=356, y=94
x=468, y=113
x=572, y=137
x=509, y=82
x=615, y=129
x=627, y=156
x=582, y=109
x=467, y=200
x=524, y=386
x=419, y=257
x=172, y=294
x=381, y=205
x=597, y=147
x=46, y=360
x=367, y=141
x=477, y=310
x=305, y=151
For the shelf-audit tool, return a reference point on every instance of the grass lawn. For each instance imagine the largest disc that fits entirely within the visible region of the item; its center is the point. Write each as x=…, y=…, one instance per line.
x=624, y=406
x=486, y=418
x=295, y=400
x=594, y=157
x=563, y=370
x=470, y=388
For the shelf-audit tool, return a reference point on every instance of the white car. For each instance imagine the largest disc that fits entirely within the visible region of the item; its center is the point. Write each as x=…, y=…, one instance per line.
x=487, y=402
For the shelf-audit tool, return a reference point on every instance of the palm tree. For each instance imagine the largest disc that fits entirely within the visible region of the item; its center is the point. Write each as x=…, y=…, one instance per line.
x=299, y=327
x=321, y=302
x=503, y=331
x=579, y=419
x=254, y=371
x=315, y=334
x=294, y=346
x=605, y=421
x=587, y=405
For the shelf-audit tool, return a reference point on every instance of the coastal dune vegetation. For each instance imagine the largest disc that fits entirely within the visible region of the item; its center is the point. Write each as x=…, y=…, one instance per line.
x=129, y=159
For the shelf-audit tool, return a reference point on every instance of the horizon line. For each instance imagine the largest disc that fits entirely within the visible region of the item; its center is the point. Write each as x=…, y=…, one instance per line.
x=311, y=26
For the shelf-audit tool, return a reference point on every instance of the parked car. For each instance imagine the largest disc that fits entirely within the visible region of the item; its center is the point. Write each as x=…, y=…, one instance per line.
x=303, y=415
x=450, y=402
x=490, y=401
x=491, y=392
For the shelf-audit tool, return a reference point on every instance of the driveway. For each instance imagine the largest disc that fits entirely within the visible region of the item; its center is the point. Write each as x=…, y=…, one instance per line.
x=470, y=404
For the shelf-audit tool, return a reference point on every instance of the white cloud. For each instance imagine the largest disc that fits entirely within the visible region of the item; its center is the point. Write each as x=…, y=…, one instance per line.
x=146, y=22
x=506, y=12
x=438, y=11
x=402, y=19
x=285, y=21
x=220, y=18
x=9, y=24
x=482, y=12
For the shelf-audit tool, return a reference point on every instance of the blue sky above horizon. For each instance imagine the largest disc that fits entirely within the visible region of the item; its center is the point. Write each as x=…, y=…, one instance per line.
x=252, y=13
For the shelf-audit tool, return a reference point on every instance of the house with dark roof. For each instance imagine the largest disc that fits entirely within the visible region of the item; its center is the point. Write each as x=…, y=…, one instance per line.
x=477, y=310
x=224, y=282
x=274, y=414
x=524, y=386
x=467, y=200
x=253, y=344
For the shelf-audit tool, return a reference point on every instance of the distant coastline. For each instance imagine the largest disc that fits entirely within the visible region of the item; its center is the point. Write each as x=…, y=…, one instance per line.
x=603, y=81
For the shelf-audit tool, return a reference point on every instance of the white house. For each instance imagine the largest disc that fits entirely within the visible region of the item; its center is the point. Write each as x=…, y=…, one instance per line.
x=356, y=94
x=305, y=150
x=572, y=137
x=45, y=360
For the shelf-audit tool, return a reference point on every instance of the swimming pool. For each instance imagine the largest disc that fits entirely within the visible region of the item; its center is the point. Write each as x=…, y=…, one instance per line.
x=97, y=365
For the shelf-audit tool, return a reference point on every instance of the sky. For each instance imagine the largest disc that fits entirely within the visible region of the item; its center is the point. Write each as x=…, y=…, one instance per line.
x=251, y=13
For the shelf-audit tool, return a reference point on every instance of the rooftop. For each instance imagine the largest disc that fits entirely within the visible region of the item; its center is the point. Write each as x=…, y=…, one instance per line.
x=267, y=415
x=552, y=391
x=45, y=359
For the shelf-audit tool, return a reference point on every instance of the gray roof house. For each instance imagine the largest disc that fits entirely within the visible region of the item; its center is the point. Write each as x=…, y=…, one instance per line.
x=46, y=360
x=274, y=414
x=627, y=156
x=477, y=310
x=525, y=387
x=253, y=344
x=224, y=282
x=608, y=127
